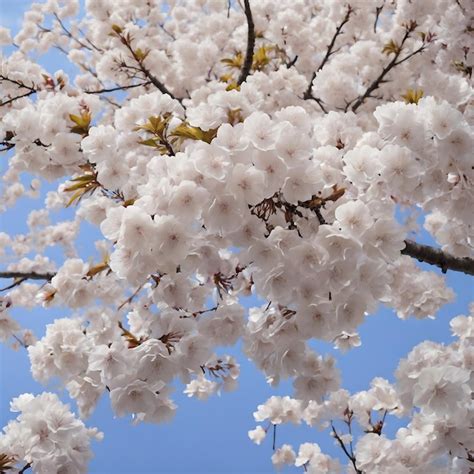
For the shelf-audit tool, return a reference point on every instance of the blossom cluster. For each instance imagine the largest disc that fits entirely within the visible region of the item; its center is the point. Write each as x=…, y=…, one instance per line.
x=46, y=436
x=220, y=154
x=433, y=389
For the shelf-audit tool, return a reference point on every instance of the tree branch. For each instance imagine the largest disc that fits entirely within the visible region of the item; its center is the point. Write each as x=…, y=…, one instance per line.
x=126, y=40
x=250, y=44
x=31, y=90
x=393, y=63
x=443, y=260
x=24, y=468
x=346, y=452
x=28, y=275
x=118, y=88
x=329, y=52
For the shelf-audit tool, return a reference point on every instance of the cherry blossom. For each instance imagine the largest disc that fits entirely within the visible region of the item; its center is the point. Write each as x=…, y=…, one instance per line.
x=222, y=150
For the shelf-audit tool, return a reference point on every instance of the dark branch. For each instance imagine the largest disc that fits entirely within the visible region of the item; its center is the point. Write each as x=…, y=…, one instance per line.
x=393, y=63
x=26, y=94
x=443, y=260
x=28, y=275
x=140, y=60
x=346, y=452
x=31, y=90
x=320, y=103
x=250, y=44
x=292, y=62
x=118, y=88
x=378, y=11
x=17, y=282
x=24, y=468
x=329, y=52
x=71, y=36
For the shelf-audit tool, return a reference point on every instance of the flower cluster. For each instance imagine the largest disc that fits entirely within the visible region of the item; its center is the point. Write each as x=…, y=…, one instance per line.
x=220, y=154
x=433, y=389
x=47, y=436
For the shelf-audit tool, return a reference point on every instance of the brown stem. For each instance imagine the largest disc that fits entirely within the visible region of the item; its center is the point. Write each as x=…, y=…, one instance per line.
x=346, y=452
x=157, y=83
x=393, y=63
x=378, y=11
x=250, y=44
x=24, y=468
x=443, y=260
x=28, y=275
x=329, y=52
x=118, y=88
x=31, y=90
x=71, y=36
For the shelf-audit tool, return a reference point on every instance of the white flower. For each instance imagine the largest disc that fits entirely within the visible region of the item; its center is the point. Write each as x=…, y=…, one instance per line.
x=47, y=435
x=187, y=200
x=306, y=453
x=135, y=397
x=257, y=435
x=371, y=450
x=354, y=218
x=284, y=455
x=230, y=138
x=258, y=128
x=200, y=388
x=440, y=389
x=8, y=326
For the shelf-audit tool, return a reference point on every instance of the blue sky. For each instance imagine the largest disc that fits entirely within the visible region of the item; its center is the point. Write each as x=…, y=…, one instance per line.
x=212, y=436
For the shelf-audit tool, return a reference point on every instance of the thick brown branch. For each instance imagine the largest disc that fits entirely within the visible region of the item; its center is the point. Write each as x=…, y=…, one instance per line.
x=443, y=260
x=250, y=44
x=28, y=275
x=329, y=52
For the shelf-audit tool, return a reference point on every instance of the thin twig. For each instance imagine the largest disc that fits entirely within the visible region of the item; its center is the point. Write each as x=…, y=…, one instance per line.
x=346, y=452
x=250, y=44
x=31, y=90
x=157, y=83
x=118, y=88
x=393, y=63
x=9, y=101
x=378, y=11
x=22, y=344
x=329, y=52
x=130, y=298
x=17, y=282
x=69, y=34
x=443, y=260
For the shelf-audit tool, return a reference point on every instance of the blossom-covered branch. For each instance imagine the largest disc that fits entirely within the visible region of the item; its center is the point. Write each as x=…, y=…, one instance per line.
x=238, y=188
x=30, y=90
x=126, y=39
x=329, y=52
x=396, y=49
